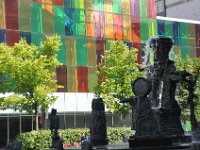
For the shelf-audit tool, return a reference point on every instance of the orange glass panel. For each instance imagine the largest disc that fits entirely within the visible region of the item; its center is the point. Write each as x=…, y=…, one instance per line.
x=58, y=2
x=82, y=76
x=90, y=29
x=118, y=27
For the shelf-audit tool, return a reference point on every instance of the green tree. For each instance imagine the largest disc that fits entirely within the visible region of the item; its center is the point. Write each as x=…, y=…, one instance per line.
x=191, y=65
x=118, y=68
x=29, y=73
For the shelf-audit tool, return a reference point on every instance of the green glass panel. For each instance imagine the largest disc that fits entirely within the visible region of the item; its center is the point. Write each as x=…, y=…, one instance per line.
x=24, y=15
x=81, y=51
x=169, y=29
x=36, y=38
x=152, y=25
x=48, y=19
x=69, y=3
x=36, y=17
x=108, y=44
x=184, y=39
x=188, y=126
x=144, y=34
x=117, y=6
x=79, y=4
x=92, y=78
x=184, y=30
x=79, y=16
x=99, y=5
x=61, y=54
x=59, y=24
x=71, y=51
x=143, y=8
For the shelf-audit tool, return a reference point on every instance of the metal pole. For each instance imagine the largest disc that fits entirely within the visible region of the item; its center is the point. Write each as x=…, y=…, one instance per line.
x=8, y=129
x=64, y=112
x=20, y=123
x=165, y=8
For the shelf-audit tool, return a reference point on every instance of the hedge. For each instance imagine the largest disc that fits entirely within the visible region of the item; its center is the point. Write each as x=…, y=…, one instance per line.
x=37, y=140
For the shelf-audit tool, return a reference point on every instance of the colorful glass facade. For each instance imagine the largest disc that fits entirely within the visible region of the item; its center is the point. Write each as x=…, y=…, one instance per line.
x=86, y=28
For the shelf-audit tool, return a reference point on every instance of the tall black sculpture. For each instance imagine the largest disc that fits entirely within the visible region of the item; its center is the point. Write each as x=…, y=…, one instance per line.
x=54, y=126
x=98, y=131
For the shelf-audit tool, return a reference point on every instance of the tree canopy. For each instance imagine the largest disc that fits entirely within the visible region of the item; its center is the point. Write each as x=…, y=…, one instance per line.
x=118, y=68
x=28, y=72
x=191, y=65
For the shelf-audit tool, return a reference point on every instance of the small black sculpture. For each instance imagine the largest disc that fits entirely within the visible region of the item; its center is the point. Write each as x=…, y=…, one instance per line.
x=98, y=131
x=145, y=122
x=54, y=126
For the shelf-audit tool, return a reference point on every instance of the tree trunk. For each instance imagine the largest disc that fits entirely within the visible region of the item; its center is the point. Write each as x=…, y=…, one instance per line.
x=36, y=118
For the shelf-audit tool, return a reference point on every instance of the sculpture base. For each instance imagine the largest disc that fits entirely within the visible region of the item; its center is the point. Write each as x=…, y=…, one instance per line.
x=160, y=143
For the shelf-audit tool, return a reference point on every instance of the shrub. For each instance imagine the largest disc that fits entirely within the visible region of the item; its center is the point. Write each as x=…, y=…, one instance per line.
x=37, y=140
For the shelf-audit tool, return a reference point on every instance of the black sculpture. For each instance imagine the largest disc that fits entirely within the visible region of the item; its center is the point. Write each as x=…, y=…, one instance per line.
x=157, y=116
x=145, y=122
x=54, y=121
x=54, y=126
x=98, y=131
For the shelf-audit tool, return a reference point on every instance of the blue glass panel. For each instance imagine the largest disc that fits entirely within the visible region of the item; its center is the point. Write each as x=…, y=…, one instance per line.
x=161, y=27
x=69, y=21
x=2, y=36
x=26, y=36
x=176, y=33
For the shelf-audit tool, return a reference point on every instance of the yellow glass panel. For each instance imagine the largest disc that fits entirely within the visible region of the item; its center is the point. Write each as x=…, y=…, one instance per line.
x=91, y=51
x=2, y=14
x=109, y=30
x=126, y=7
x=92, y=78
x=72, y=82
x=127, y=28
x=71, y=51
x=108, y=6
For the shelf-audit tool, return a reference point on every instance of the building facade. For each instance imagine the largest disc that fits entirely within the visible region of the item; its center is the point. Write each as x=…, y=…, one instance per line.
x=86, y=28
x=183, y=9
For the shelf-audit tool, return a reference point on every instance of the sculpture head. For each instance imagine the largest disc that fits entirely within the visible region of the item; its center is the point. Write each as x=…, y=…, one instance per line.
x=53, y=112
x=161, y=47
